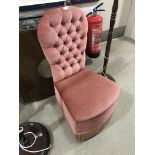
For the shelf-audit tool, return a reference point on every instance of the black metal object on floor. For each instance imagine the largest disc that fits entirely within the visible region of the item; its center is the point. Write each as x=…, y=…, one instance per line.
x=26, y=138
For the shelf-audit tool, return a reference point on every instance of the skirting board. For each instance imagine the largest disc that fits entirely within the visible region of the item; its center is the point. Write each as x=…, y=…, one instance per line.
x=118, y=32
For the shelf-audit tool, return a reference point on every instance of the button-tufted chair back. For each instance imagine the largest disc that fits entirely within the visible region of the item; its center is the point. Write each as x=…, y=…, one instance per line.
x=63, y=36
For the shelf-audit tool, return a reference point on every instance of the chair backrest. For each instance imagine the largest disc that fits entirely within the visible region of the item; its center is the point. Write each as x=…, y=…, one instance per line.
x=63, y=35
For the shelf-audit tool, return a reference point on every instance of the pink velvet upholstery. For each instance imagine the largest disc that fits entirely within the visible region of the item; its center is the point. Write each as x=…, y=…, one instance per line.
x=86, y=91
x=87, y=99
x=63, y=35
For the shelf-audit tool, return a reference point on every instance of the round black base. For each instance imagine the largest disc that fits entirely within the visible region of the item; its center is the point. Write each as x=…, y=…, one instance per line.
x=93, y=55
x=42, y=141
x=108, y=76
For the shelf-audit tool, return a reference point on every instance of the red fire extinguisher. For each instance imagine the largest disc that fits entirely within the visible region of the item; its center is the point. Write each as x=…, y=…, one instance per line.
x=94, y=33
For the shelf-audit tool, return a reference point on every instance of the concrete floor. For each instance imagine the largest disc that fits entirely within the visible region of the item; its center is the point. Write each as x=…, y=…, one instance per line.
x=117, y=138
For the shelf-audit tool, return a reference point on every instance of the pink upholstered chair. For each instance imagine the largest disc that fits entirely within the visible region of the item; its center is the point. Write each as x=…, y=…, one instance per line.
x=87, y=99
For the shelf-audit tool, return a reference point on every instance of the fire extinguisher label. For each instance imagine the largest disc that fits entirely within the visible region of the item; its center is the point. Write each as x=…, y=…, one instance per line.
x=96, y=37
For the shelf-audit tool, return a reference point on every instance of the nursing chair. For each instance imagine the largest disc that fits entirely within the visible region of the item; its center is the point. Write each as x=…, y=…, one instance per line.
x=87, y=99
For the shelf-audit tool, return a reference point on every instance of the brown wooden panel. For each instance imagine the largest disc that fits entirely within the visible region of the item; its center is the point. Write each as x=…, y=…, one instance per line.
x=32, y=85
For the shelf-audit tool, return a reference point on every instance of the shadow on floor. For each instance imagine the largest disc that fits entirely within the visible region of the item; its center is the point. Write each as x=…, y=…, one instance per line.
x=88, y=61
x=124, y=104
x=121, y=65
x=34, y=108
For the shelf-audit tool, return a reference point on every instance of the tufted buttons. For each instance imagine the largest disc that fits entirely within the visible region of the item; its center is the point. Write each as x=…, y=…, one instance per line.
x=64, y=67
x=78, y=46
x=78, y=29
x=59, y=62
x=65, y=42
x=75, y=55
x=74, y=39
x=56, y=45
x=72, y=20
x=72, y=64
x=62, y=52
x=82, y=36
x=50, y=24
x=59, y=34
x=63, y=23
x=69, y=31
x=66, y=34
x=81, y=19
x=71, y=49
x=79, y=61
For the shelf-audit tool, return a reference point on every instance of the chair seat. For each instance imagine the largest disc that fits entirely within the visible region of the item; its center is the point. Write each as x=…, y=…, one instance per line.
x=87, y=95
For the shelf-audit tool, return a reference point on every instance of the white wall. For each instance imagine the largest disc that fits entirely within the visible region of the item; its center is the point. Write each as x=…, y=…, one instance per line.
x=122, y=14
x=130, y=29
